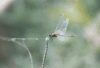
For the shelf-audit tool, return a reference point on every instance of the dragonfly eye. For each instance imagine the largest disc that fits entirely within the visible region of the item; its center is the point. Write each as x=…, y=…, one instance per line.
x=50, y=35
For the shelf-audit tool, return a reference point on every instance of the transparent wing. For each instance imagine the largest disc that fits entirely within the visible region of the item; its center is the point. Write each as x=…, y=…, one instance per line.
x=62, y=27
x=61, y=38
x=60, y=22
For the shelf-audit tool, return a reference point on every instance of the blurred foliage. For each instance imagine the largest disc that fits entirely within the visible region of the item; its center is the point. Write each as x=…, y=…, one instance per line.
x=37, y=19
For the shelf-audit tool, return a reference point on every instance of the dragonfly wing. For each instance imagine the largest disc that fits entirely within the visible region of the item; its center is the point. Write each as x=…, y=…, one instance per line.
x=62, y=27
x=60, y=22
x=61, y=38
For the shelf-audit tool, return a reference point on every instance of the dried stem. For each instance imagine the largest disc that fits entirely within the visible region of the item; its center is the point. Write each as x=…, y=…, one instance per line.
x=22, y=44
x=27, y=50
x=45, y=53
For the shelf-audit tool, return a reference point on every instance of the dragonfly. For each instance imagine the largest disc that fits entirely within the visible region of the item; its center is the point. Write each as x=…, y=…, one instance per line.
x=61, y=29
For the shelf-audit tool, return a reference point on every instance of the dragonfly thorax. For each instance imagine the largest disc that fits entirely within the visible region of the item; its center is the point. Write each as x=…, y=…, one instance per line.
x=53, y=35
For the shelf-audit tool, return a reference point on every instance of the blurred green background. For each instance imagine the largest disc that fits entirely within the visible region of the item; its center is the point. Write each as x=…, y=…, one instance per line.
x=39, y=18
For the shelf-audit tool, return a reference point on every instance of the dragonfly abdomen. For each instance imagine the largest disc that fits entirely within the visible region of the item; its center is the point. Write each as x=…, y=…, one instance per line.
x=68, y=35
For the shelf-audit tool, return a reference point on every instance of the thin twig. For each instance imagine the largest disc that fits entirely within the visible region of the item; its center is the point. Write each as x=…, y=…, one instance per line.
x=22, y=44
x=45, y=53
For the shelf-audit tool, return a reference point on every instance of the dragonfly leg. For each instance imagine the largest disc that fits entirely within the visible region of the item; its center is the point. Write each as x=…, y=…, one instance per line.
x=51, y=39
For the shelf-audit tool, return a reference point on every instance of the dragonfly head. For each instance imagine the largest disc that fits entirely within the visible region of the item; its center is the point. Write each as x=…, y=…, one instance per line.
x=50, y=35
